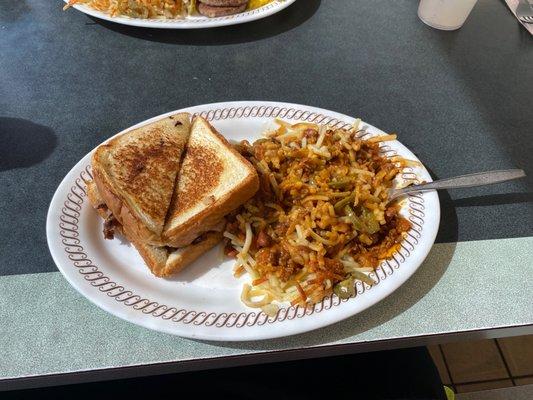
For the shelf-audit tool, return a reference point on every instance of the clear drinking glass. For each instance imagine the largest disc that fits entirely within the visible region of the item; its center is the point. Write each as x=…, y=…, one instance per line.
x=445, y=14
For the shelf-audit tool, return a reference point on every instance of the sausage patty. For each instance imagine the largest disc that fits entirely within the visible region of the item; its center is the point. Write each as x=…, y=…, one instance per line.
x=213, y=11
x=224, y=3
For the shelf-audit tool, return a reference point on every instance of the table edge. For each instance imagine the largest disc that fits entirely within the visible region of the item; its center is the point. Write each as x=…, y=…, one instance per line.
x=263, y=357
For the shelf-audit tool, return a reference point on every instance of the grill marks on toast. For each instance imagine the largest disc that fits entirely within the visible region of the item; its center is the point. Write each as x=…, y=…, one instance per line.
x=146, y=173
x=201, y=171
x=144, y=168
x=169, y=186
x=214, y=180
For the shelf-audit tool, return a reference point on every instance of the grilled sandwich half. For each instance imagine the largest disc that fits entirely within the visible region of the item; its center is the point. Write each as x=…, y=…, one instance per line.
x=136, y=174
x=214, y=179
x=162, y=260
x=167, y=187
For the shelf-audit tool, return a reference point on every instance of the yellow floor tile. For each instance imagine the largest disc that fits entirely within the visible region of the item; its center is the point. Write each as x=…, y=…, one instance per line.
x=474, y=361
x=478, y=387
x=436, y=355
x=528, y=380
x=518, y=352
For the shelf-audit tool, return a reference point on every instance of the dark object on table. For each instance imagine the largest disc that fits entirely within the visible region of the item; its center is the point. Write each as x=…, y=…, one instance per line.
x=394, y=374
x=15, y=136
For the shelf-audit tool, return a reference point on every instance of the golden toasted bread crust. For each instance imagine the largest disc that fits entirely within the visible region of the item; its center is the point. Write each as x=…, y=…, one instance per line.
x=203, y=173
x=154, y=257
x=111, y=226
x=180, y=258
x=164, y=262
x=133, y=169
x=96, y=200
x=133, y=226
x=136, y=168
x=211, y=215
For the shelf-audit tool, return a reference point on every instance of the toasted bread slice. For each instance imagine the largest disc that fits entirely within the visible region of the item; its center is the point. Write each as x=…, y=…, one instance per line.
x=96, y=200
x=162, y=261
x=166, y=261
x=136, y=173
x=214, y=180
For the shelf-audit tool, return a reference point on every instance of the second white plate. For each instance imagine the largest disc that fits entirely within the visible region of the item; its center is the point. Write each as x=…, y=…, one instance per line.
x=191, y=22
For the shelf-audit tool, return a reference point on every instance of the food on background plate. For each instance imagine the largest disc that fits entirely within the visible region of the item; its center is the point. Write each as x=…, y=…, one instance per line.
x=170, y=9
x=166, y=187
x=166, y=9
x=220, y=8
x=253, y=4
x=320, y=220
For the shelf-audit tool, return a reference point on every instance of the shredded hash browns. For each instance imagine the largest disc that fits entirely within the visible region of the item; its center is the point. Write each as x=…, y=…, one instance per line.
x=135, y=8
x=320, y=220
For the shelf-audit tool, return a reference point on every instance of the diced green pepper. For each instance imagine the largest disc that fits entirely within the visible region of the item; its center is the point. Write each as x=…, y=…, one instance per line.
x=366, y=223
x=346, y=288
x=356, y=222
x=341, y=203
x=339, y=184
x=370, y=221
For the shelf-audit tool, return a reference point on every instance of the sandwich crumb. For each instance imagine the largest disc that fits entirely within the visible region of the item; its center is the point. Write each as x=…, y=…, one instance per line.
x=110, y=224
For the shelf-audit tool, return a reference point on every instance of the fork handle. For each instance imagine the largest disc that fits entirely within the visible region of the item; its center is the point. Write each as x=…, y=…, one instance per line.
x=464, y=181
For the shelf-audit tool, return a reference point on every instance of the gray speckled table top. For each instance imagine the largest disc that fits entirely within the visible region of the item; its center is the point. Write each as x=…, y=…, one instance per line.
x=460, y=100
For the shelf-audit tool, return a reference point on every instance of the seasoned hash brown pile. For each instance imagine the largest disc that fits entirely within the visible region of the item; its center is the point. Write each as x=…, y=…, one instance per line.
x=320, y=220
x=135, y=8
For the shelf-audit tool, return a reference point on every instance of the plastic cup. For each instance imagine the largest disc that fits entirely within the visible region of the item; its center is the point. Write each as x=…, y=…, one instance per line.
x=445, y=14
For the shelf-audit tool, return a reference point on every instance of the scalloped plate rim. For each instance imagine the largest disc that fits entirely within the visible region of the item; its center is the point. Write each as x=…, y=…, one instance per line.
x=245, y=333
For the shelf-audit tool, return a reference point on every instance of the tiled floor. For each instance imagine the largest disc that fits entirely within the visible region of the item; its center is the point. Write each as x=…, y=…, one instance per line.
x=485, y=364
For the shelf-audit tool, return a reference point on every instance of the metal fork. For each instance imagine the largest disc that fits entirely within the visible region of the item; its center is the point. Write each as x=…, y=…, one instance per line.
x=524, y=11
x=463, y=181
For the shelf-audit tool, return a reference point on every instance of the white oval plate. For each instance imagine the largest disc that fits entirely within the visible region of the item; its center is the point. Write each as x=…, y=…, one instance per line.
x=191, y=22
x=203, y=300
